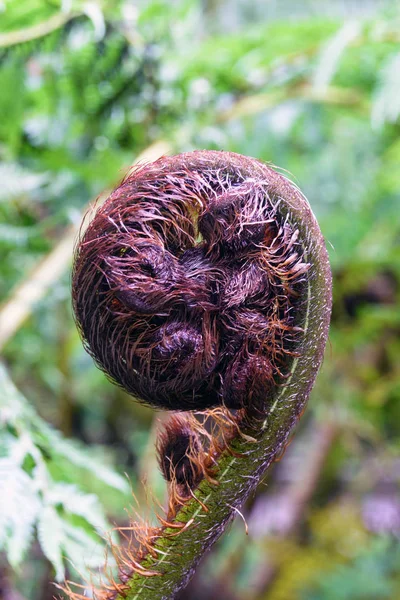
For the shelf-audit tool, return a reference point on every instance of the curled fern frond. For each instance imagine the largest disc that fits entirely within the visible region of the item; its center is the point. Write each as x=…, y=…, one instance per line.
x=187, y=283
x=203, y=284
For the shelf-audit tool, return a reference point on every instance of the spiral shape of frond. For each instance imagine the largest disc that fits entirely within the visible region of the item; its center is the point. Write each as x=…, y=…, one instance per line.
x=187, y=282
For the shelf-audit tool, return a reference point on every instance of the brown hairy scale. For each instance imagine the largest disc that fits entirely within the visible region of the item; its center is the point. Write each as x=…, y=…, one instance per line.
x=179, y=449
x=187, y=286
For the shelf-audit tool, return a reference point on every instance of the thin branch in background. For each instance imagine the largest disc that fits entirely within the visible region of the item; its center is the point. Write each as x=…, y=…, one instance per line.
x=257, y=103
x=300, y=489
x=13, y=38
x=18, y=308
x=296, y=495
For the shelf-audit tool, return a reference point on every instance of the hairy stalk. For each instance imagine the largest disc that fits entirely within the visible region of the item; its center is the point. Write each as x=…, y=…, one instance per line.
x=254, y=343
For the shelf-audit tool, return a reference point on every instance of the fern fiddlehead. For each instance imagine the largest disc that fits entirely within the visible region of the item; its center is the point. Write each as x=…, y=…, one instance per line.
x=203, y=284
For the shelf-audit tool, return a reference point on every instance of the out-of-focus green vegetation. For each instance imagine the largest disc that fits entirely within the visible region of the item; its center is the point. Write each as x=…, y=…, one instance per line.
x=85, y=87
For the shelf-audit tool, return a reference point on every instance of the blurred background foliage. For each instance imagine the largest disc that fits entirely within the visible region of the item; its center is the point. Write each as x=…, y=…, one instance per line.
x=85, y=89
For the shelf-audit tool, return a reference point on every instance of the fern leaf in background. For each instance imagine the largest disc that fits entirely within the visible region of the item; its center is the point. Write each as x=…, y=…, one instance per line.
x=31, y=498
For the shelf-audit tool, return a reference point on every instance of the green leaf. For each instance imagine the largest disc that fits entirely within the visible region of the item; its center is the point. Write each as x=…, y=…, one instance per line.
x=81, y=458
x=84, y=551
x=76, y=502
x=19, y=508
x=13, y=406
x=30, y=498
x=50, y=529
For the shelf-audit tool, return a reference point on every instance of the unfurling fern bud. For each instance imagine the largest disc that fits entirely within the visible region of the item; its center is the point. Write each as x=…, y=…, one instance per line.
x=179, y=452
x=187, y=284
x=203, y=284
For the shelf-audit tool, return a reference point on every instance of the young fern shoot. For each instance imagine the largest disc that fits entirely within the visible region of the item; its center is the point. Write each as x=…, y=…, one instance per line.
x=203, y=286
